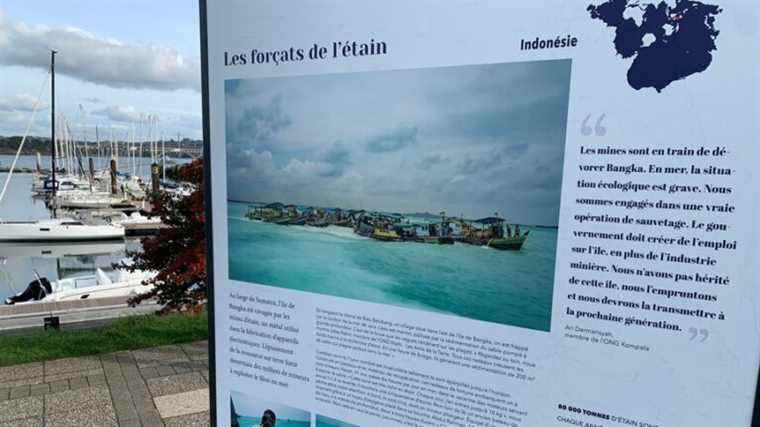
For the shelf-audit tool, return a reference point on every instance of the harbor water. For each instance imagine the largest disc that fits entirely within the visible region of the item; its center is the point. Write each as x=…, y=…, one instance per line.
x=506, y=287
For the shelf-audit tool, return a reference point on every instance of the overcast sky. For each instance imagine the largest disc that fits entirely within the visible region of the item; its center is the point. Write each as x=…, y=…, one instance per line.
x=469, y=140
x=118, y=61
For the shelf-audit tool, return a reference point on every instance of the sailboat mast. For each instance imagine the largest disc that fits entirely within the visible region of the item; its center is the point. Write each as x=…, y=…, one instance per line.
x=52, y=113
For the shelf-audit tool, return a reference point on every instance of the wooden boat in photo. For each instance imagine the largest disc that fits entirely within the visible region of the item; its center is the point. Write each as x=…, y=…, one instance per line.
x=364, y=229
x=385, y=235
x=512, y=243
x=301, y=220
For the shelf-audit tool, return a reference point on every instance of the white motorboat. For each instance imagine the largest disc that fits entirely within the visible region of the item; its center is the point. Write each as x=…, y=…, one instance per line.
x=57, y=230
x=117, y=283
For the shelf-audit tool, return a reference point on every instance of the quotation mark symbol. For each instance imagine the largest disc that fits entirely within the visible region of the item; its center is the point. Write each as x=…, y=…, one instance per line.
x=598, y=129
x=703, y=333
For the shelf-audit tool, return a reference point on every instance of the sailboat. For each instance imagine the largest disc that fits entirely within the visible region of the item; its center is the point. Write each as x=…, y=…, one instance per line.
x=57, y=230
x=52, y=230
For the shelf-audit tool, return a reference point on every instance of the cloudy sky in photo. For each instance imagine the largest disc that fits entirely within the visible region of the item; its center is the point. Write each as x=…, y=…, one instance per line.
x=118, y=62
x=469, y=140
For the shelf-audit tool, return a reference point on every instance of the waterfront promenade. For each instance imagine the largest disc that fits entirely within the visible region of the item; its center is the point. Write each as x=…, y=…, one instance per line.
x=161, y=386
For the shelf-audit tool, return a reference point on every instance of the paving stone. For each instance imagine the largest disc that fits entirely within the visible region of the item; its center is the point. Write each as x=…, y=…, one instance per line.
x=20, y=391
x=58, y=386
x=39, y=389
x=64, y=401
x=197, y=350
x=182, y=368
x=83, y=416
x=116, y=380
x=164, y=371
x=129, y=370
x=121, y=395
x=96, y=380
x=4, y=394
x=18, y=372
x=26, y=422
x=149, y=373
x=72, y=364
x=124, y=357
x=199, y=365
x=79, y=382
x=49, y=378
x=18, y=375
x=110, y=365
x=176, y=384
x=19, y=409
x=190, y=402
x=151, y=420
x=153, y=357
x=192, y=420
x=22, y=381
x=130, y=423
x=125, y=410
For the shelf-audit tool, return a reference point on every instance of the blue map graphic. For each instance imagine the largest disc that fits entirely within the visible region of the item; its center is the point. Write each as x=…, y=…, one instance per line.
x=670, y=43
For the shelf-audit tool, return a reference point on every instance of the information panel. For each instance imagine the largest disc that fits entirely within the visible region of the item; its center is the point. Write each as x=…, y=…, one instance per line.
x=484, y=213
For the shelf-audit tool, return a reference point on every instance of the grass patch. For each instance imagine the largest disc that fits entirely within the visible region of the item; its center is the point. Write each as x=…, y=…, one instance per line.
x=126, y=333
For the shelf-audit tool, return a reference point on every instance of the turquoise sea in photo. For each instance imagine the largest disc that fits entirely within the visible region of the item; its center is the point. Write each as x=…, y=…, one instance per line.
x=322, y=421
x=506, y=287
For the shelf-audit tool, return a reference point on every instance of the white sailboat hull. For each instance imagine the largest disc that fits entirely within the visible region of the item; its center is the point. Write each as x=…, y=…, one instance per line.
x=57, y=231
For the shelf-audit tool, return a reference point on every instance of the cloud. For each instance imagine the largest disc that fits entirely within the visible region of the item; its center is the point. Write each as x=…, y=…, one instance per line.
x=429, y=162
x=87, y=57
x=469, y=140
x=93, y=100
x=401, y=137
x=21, y=102
x=117, y=113
x=338, y=158
x=261, y=122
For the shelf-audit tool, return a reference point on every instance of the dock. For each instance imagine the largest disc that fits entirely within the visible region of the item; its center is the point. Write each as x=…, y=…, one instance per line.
x=143, y=229
x=72, y=314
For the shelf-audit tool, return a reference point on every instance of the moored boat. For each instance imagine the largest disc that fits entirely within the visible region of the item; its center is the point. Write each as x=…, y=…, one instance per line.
x=57, y=230
x=118, y=283
x=512, y=243
x=385, y=235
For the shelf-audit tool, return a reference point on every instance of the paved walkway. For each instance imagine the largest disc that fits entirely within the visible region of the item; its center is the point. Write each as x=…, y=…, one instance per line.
x=162, y=386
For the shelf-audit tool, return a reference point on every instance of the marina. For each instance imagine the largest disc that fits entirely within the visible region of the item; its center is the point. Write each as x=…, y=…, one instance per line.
x=66, y=221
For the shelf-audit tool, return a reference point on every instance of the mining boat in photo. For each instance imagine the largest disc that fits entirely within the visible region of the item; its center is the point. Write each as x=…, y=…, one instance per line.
x=385, y=235
x=57, y=230
x=513, y=243
x=117, y=283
